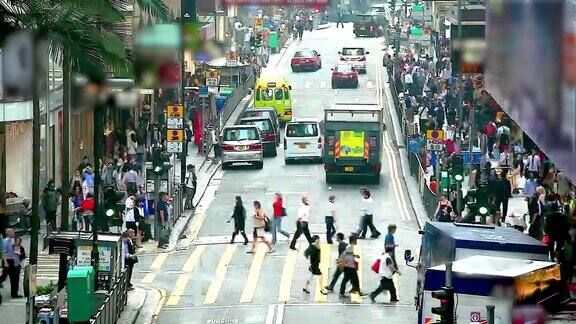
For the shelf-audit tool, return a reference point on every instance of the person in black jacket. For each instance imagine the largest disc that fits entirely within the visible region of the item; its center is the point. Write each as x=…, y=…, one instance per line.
x=239, y=217
x=502, y=193
x=313, y=253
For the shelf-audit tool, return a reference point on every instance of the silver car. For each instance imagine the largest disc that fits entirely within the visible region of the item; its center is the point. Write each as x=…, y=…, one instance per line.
x=356, y=56
x=241, y=143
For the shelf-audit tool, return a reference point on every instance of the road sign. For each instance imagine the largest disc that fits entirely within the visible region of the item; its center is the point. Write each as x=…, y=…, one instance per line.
x=203, y=91
x=258, y=22
x=437, y=134
x=174, y=147
x=434, y=145
x=211, y=74
x=175, y=135
x=212, y=82
x=175, y=112
x=174, y=122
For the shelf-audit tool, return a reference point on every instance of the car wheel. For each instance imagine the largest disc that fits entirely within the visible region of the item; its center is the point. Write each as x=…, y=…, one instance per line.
x=225, y=166
x=287, y=161
x=376, y=178
x=259, y=165
x=293, y=69
x=274, y=153
x=334, y=85
x=319, y=66
x=355, y=84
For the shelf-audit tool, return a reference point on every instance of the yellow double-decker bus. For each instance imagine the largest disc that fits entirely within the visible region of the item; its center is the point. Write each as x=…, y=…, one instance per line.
x=274, y=92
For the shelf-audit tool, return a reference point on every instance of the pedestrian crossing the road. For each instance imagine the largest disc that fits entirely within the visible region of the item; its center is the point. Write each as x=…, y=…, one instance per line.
x=216, y=274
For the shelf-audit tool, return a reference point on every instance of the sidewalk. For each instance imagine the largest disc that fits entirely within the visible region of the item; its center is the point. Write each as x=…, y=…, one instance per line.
x=142, y=301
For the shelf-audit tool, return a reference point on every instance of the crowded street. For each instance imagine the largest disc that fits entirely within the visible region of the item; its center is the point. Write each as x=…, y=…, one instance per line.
x=264, y=287
x=287, y=161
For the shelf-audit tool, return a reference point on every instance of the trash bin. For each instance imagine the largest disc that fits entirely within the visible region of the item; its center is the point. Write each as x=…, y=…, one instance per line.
x=80, y=288
x=273, y=42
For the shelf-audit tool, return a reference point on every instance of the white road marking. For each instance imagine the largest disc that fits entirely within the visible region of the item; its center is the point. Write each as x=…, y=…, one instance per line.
x=308, y=85
x=323, y=84
x=369, y=84
x=280, y=314
x=270, y=314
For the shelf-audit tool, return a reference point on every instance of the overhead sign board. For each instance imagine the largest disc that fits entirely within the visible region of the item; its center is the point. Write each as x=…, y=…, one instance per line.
x=203, y=92
x=175, y=135
x=174, y=147
x=211, y=73
x=275, y=2
x=434, y=145
x=174, y=122
x=437, y=134
x=212, y=82
x=175, y=111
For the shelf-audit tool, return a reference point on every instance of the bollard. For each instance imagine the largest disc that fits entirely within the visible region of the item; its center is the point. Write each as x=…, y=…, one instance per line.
x=490, y=313
x=448, y=274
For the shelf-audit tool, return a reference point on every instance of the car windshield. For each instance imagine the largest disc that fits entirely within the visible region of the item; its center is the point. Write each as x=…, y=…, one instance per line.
x=240, y=134
x=302, y=130
x=304, y=54
x=353, y=51
x=262, y=124
x=344, y=68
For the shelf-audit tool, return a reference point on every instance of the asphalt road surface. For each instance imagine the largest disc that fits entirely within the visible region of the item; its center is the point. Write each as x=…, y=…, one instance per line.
x=208, y=280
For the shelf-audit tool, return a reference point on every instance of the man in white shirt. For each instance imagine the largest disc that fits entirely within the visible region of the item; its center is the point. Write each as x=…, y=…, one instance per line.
x=329, y=219
x=302, y=223
x=367, y=211
x=191, y=182
x=534, y=164
x=386, y=270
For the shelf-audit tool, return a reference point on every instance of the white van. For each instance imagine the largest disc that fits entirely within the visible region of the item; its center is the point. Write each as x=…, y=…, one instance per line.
x=303, y=140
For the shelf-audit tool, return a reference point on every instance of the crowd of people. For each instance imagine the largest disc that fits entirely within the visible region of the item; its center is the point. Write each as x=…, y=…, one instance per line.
x=511, y=166
x=347, y=264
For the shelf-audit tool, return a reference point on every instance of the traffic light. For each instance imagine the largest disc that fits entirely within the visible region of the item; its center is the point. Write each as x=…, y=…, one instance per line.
x=111, y=208
x=258, y=42
x=457, y=167
x=446, y=308
x=483, y=203
x=158, y=161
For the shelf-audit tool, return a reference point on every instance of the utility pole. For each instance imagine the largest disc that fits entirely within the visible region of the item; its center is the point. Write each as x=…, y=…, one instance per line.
x=490, y=313
x=98, y=133
x=65, y=156
x=35, y=221
x=189, y=14
x=459, y=84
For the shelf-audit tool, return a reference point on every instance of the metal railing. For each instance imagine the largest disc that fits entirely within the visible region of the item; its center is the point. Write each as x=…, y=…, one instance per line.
x=177, y=205
x=429, y=199
x=114, y=302
x=237, y=95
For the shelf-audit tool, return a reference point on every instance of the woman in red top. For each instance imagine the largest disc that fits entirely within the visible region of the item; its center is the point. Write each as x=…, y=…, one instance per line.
x=279, y=212
x=88, y=209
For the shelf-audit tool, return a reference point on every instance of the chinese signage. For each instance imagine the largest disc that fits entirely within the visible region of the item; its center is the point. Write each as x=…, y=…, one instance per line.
x=84, y=257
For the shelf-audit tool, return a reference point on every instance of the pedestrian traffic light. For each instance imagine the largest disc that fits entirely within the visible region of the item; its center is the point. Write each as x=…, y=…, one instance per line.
x=457, y=167
x=483, y=203
x=446, y=308
x=258, y=42
x=111, y=208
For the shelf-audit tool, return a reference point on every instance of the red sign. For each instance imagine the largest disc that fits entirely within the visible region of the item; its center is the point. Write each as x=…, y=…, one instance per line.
x=275, y=2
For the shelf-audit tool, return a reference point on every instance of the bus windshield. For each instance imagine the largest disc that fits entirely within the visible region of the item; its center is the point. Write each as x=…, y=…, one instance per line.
x=267, y=94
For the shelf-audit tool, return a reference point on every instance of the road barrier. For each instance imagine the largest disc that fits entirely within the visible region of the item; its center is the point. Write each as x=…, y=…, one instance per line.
x=429, y=199
x=114, y=302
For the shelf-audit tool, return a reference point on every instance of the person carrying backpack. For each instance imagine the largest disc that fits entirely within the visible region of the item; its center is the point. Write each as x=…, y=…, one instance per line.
x=384, y=266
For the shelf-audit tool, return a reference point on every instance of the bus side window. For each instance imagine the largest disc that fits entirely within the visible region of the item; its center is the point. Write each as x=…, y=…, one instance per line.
x=278, y=94
x=257, y=95
x=286, y=94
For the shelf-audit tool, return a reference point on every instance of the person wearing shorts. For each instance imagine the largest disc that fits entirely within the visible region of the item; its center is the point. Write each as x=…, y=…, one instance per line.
x=259, y=224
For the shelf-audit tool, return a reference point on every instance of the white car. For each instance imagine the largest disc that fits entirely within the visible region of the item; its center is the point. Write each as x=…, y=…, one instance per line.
x=303, y=140
x=355, y=56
